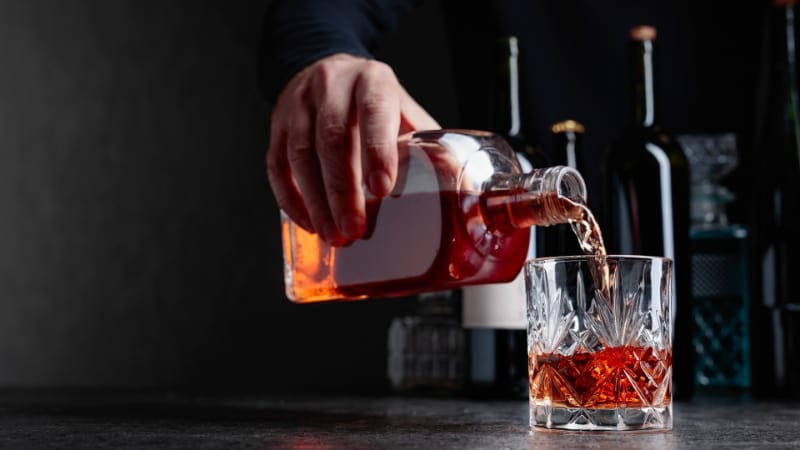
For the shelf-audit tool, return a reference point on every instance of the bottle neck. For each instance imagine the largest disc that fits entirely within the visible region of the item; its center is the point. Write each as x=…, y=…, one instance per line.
x=784, y=65
x=506, y=116
x=567, y=138
x=783, y=35
x=541, y=197
x=642, y=86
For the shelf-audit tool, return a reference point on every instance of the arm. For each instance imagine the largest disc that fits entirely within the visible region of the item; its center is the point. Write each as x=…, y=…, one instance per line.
x=297, y=33
x=335, y=122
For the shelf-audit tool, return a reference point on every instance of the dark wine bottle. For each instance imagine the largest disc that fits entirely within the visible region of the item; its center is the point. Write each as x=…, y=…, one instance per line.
x=495, y=316
x=567, y=137
x=647, y=196
x=776, y=219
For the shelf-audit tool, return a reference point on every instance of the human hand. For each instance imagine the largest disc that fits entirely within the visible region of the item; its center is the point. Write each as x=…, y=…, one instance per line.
x=334, y=127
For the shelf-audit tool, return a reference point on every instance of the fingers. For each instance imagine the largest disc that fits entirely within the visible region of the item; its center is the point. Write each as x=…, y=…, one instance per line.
x=334, y=129
x=306, y=169
x=281, y=182
x=377, y=96
x=337, y=150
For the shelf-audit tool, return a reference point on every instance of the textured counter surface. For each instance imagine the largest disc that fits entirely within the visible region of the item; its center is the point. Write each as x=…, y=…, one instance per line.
x=94, y=420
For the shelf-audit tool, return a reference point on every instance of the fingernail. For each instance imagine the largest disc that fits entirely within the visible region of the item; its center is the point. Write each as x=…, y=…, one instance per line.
x=306, y=224
x=352, y=226
x=331, y=234
x=379, y=183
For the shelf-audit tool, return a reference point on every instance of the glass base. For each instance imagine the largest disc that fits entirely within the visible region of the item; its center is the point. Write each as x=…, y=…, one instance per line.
x=603, y=419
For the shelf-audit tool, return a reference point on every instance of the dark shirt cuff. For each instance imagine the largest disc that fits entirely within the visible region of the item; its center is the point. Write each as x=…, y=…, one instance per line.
x=296, y=33
x=283, y=63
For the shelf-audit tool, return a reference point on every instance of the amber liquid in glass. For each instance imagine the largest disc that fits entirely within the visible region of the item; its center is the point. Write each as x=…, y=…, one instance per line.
x=614, y=377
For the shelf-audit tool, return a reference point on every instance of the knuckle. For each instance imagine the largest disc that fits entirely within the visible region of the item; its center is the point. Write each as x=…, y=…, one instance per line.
x=293, y=92
x=339, y=187
x=377, y=69
x=375, y=104
x=325, y=74
x=372, y=147
x=298, y=158
x=298, y=152
x=331, y=132
x=272, y=162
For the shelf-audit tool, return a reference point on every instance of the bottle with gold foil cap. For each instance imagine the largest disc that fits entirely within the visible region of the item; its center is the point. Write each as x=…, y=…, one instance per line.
x=567, y=137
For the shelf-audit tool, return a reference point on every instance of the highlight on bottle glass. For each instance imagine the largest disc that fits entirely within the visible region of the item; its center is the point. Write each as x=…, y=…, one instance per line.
x=600, y=342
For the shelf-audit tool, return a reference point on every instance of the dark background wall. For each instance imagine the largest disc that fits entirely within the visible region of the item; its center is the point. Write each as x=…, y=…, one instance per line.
x=139, y=242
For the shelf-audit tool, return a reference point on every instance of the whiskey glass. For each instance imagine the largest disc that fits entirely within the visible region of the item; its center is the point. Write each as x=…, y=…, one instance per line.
x=600, y=342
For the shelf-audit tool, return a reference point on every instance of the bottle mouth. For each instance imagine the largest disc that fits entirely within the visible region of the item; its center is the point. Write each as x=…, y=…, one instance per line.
x=568, y=183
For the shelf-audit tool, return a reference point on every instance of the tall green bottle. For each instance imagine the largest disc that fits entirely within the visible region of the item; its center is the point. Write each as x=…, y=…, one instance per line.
x=776, y=218
x=647, y=195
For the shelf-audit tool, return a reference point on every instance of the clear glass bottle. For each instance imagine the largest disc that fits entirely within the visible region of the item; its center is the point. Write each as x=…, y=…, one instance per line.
x=426, y=350
x=720, y=270
x=460, y=214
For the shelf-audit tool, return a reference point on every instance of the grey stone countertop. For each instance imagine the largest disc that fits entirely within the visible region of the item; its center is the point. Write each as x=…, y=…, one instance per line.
x=37, y=419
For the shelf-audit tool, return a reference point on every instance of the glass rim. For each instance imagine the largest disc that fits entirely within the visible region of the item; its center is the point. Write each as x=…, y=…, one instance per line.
x=614, y=257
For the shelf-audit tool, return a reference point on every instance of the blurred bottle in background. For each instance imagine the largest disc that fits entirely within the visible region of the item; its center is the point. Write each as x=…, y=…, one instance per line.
x=495, y=315
x=776, y=211
x=720, y=269
x=647, y=199
x=427, y=349
x=567, y=136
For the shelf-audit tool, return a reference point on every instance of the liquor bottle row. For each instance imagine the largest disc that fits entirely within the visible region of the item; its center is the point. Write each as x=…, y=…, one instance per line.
x=469, y=209
x=737, y=319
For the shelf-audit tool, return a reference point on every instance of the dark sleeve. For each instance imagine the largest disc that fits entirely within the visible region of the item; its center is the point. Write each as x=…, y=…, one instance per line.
x=298, y=32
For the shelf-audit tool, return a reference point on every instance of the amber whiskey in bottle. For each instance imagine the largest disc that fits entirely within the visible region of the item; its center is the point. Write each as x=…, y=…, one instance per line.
x=460, y=214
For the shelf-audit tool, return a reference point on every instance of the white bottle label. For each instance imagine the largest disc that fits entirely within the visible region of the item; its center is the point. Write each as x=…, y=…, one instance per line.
x=501, y=305
x=496, y=305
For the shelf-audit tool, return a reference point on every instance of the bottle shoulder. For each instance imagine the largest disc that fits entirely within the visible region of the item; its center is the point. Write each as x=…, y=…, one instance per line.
x=638, y=146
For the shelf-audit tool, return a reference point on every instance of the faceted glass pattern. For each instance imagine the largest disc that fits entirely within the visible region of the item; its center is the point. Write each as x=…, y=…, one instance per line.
x=720, y=309
x=600, y=342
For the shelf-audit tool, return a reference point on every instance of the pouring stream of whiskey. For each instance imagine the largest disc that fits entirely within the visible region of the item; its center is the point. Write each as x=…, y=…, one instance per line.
x=590, y=238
